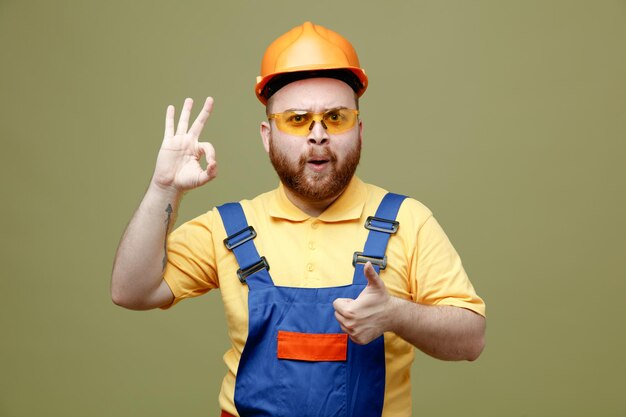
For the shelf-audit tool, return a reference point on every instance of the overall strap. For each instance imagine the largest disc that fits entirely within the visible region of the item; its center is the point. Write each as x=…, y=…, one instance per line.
x=381, y=226
x=253, y=269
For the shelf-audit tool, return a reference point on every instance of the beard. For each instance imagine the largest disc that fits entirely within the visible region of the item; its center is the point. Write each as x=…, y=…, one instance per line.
x=315, y=186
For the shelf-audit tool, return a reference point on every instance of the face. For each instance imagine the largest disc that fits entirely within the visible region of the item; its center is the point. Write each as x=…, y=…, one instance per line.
x=318, y=166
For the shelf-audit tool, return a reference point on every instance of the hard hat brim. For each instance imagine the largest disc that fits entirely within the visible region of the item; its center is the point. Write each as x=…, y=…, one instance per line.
x=306, y=71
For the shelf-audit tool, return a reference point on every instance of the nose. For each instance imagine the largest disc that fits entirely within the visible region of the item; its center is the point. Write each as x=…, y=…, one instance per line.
x=317, y=133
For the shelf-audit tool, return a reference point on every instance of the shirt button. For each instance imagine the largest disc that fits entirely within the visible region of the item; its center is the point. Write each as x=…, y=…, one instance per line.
x=312, y=245
x=310, y=267
x=315, y=225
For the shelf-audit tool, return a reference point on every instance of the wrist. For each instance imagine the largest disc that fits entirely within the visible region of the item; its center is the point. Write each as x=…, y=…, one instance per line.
x=158, y=198
x=168, y=192
x=394, y=311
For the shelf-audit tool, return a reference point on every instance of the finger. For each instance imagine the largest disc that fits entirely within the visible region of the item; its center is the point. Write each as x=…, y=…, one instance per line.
x=208, y=151
x=183, y=122
x=373, y=280
x=211, y=170
x=198, y=124
x=343, y=324
x=359, y=340
x=203, y=178
x=340, y=319
x=207, y=174
x=169, y=121
x=341, y=304
x=345, y=329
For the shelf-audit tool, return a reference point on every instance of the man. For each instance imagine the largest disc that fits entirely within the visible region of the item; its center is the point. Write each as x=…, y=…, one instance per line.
x=328, y=309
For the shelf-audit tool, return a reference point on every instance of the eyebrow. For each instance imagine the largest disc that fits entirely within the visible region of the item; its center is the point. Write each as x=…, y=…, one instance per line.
x=309, y=111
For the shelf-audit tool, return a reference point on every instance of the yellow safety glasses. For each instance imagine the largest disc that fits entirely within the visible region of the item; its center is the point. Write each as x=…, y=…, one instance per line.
x=300, y=122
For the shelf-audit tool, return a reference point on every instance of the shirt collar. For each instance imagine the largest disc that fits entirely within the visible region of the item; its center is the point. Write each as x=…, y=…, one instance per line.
x=348, y=206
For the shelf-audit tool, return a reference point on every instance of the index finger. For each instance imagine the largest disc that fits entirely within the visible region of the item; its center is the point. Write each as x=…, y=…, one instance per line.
x=198, y=124
x=169, y=121
x=340, y=305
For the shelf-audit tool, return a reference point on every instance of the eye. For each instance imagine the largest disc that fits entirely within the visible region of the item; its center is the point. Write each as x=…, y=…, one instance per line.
x=298, y=118
x=334, y=116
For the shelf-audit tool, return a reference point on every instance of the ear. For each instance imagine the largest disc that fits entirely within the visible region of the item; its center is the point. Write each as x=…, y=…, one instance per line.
x=266, y=132
x=361, y=131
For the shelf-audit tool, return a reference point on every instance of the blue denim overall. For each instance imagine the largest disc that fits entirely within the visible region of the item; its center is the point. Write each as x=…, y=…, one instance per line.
x=271, y=383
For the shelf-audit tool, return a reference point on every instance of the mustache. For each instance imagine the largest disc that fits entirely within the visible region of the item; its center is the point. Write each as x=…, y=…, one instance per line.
x=317, y=154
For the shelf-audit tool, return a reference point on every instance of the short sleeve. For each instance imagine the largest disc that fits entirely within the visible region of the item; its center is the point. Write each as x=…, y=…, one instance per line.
x=439, y=274
x=191, y=269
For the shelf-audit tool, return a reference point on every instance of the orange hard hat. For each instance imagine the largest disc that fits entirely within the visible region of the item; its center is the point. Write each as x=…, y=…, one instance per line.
x=310, y=49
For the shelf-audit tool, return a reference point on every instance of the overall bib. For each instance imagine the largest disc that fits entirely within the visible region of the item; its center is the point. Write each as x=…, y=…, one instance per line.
x=296, y=360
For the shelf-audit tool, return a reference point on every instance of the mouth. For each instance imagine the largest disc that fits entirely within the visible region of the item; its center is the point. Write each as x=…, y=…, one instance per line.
x=318, y=164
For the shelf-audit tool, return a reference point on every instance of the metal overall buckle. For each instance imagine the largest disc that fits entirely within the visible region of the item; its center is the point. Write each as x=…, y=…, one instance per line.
x=251, y=235
x=393, y=225
x=359, y=258
x=252, y=269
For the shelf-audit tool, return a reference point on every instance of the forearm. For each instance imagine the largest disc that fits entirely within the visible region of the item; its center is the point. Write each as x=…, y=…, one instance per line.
x=444, y=332
x=137, y=279
x=142, y=254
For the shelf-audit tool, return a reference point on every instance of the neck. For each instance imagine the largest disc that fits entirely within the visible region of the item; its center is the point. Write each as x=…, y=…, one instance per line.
x=311, y=207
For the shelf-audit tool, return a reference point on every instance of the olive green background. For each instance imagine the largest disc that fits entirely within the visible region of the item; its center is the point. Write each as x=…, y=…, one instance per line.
x=506, y=118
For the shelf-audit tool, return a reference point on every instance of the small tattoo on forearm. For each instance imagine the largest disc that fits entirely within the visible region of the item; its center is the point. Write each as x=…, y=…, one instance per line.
x=169, y=211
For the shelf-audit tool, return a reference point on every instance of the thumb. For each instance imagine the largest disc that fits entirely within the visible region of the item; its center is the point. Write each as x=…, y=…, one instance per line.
x=373, y=280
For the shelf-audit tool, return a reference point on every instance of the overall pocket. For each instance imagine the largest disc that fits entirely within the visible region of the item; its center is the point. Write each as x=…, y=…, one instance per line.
x=312, y=369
